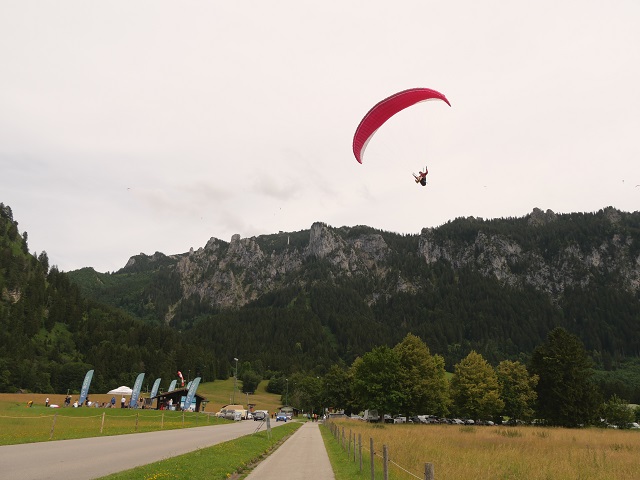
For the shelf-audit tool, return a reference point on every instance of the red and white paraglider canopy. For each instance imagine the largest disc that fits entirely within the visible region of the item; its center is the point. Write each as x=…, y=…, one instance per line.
x=386, y=109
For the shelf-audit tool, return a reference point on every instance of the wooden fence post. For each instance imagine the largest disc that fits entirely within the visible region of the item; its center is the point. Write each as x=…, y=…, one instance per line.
x=349, y=449
x=360, y=449
x=162, y=421
x=428, y=472
x=137, y=415
x=53, y=425
x=354, y=447
x=373, y=464
x=102, y=425
x=385, y=462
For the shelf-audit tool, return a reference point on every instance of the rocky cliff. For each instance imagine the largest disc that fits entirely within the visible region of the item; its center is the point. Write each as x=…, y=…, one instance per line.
x=543, y=251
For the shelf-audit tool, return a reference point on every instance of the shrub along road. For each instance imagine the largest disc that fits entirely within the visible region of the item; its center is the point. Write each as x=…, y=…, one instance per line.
x=99, y=456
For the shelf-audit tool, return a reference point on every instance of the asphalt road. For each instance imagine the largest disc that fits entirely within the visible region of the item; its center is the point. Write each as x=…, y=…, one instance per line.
x=301, y=457
x=96, y=457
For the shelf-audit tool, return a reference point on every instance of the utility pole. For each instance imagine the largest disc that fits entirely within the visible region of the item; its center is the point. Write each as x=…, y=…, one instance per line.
x=235, y=380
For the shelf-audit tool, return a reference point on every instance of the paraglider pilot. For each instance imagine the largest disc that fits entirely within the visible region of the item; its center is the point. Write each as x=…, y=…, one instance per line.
x=421, y=178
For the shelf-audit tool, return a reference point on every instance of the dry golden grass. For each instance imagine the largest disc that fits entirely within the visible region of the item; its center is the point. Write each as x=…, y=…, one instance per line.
x=529, y=453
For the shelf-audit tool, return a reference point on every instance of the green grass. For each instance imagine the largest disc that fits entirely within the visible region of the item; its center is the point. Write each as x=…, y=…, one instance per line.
x=20, y=424
x=28, y=425
x=221, y=461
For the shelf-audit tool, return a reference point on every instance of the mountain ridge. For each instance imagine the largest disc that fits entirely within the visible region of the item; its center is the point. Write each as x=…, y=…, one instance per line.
x=538, y=272
x=232, y=274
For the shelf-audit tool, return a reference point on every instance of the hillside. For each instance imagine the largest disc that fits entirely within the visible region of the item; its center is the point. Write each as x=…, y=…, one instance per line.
x=50, y=334
x=303, y=301
x=497, y=286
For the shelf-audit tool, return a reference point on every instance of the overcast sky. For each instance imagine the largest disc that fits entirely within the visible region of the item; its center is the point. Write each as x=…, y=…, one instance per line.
x=143, y=126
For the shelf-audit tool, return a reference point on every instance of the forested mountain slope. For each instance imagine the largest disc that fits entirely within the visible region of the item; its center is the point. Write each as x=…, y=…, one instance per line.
x=50, y=335
x=496, y=286
x=302, y=301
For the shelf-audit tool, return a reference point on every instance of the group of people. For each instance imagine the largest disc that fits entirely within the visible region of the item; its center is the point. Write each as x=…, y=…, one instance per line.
x=89, y=403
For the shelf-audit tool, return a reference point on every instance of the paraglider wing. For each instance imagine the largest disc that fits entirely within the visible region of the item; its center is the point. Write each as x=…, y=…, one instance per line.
x=386, y=109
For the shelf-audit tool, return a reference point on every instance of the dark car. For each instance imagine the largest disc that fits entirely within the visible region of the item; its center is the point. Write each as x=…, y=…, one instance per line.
x=259, y=416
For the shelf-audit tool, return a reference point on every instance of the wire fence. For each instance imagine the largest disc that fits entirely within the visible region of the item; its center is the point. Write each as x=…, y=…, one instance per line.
x=59, y=426
x=354, y=448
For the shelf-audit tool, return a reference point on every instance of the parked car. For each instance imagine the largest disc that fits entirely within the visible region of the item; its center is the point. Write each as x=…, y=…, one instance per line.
x=281, y=417
x=259, y=415
x=224, y=412
x=337, y=416
x=371, y=415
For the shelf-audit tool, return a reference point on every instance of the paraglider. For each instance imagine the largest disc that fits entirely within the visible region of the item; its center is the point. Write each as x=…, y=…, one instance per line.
x=421, y=178
x=383, y=111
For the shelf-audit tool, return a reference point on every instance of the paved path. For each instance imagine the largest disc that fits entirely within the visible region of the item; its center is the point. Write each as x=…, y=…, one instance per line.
x=95, y=457
x=301, y=457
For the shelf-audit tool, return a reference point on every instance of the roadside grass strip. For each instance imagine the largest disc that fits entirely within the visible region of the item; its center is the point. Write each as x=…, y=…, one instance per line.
x=346, y=463
x=229, y=460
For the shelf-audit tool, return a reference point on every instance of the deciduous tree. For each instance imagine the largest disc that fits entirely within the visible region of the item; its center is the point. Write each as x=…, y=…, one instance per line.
x=518, y=389
x=618, y=412
x=475, y=389
x=376, y=380
x=423, y=383
x=336, y=386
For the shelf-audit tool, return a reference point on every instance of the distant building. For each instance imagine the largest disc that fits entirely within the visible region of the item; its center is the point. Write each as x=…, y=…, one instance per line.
x=174, y=399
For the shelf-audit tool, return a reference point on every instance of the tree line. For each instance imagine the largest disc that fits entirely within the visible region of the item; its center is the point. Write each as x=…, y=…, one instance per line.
x=555, y=388
x=52, y=330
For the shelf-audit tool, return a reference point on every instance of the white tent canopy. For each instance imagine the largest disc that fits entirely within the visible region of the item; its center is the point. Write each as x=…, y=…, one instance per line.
x=121, y=391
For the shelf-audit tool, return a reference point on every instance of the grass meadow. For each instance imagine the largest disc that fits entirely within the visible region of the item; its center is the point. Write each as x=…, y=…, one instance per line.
x=463, y=452
x=22, y=424
x=19, y=424
x=457, y=452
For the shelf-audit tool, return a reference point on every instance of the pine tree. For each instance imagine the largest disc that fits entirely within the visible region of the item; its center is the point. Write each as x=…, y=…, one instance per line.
x=566, y=394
